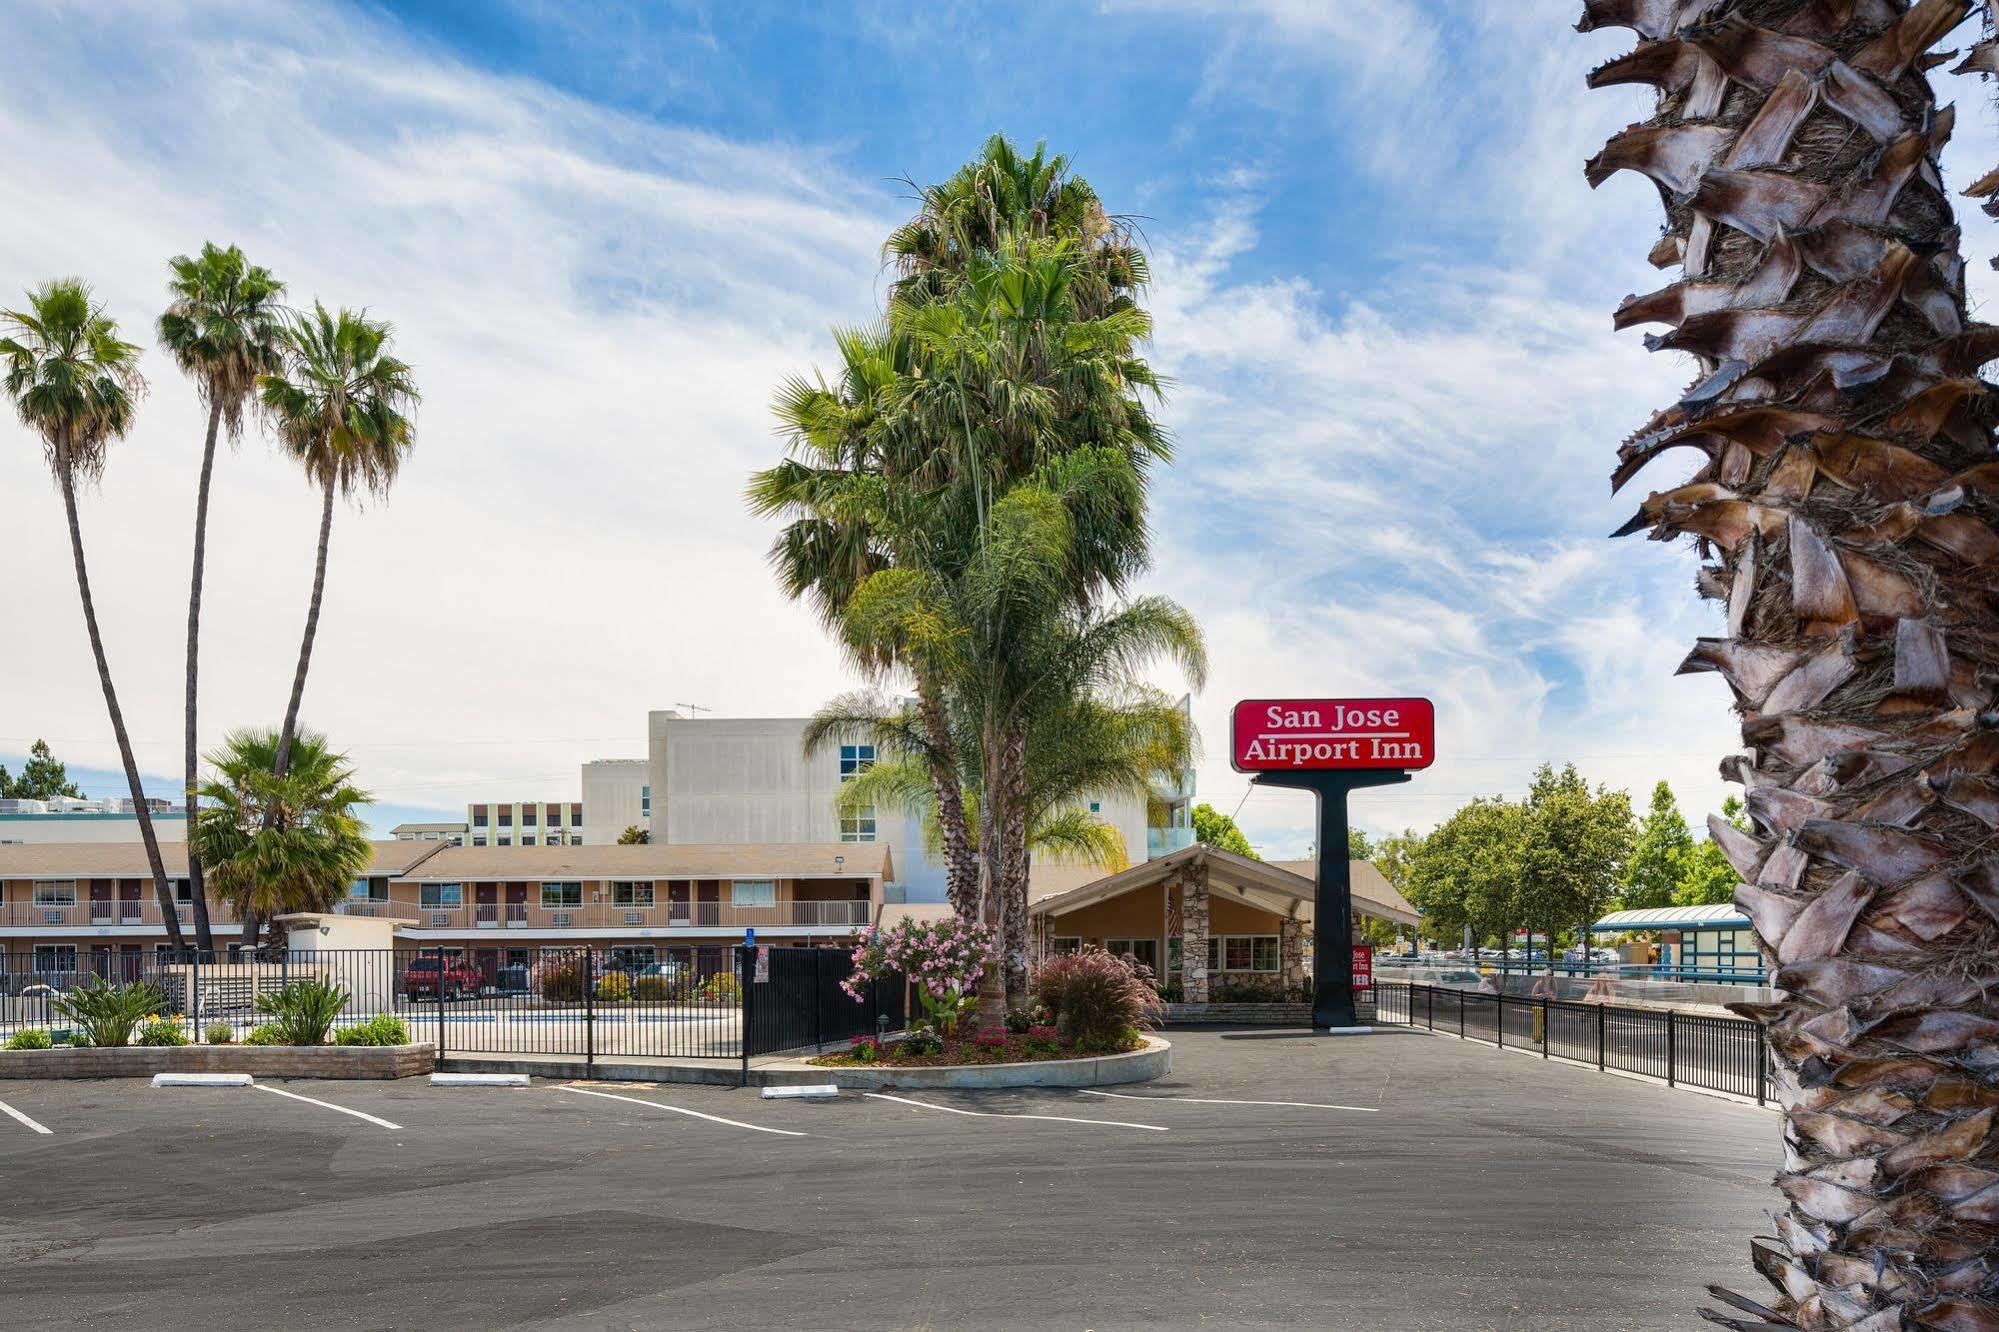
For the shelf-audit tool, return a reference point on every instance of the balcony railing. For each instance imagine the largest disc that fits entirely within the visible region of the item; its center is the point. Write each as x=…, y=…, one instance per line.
x=595, y=914
x=87, y=915
x=1165, y=841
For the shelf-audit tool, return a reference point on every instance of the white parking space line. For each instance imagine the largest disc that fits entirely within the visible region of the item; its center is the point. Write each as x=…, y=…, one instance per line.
x=681, y=1110
x=1207, y=1100
x=996, y=1114
x=12, y=1113
x=328, y=1105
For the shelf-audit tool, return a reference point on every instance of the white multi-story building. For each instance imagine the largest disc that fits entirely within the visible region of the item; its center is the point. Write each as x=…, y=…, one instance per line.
x=748, y=781
x=525, y=823
x=66, y=819
x=617, y=794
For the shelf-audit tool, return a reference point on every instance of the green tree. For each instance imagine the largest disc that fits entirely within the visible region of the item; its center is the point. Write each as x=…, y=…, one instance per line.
x=1359, y=845
x=1218, y=829
x=75, y=383
x=1705, y=877
x=340, y=407
x=43, y=777
x=1464, y=874
x=1659, y=856
x=280, y=842
x=634, y=836
x=1573, y=852
x=1392, y=856
x=221, y=326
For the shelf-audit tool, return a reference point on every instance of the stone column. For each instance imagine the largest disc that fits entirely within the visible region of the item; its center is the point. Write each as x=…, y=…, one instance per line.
x=1290, y=952
x=1194, y=935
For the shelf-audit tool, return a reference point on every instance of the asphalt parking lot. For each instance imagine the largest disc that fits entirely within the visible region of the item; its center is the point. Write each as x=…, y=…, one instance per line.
x=1392, y=1181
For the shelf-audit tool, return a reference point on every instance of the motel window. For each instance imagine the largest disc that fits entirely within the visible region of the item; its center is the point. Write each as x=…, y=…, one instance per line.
x=631, y=894
x=1242, y=952
x=55, y=957
x=478, y=841
x=183, y=891
x=753, y=893
x=561, y=896
x=645, y=801
x=506, y=818
x=576, y=816
x=55, y=892
x=554, y=813
x=1065, y=943
x=528, y=813
x=1263, y=953
x=858, y=826
x=506, y=841
x=478, y=816
x=163, y=954
x=440, y=896
x=633, y=957
x=526, y=840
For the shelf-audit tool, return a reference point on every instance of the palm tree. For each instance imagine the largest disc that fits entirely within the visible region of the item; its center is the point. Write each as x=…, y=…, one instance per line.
x=340, y=408
x=222, y=327
x=1845, y=498
x=75, y=383
x=280, y=842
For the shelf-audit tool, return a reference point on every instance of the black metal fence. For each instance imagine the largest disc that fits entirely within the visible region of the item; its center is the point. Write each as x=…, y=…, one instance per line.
x=709, y=1002
x=1694, y=1049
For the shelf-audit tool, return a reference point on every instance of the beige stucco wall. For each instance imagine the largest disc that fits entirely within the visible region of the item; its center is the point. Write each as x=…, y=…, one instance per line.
x=612, y=791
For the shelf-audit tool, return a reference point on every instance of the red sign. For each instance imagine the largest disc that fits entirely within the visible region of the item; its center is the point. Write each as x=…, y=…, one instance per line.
x=1363, y=966
x=1275, y=734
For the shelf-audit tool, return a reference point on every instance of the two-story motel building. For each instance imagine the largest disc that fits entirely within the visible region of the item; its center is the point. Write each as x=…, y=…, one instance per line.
x=90, y=906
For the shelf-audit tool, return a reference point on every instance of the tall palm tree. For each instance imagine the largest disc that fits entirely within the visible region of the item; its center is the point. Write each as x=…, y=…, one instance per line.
x=74, y=383
x=1845, y=498
x=221, y=326
x=341, y=409
x=280, y=842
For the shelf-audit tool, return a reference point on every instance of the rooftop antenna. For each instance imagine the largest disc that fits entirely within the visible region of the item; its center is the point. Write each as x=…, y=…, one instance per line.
x=693, y=709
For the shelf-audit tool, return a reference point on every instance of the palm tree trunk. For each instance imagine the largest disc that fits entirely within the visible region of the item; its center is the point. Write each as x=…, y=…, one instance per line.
x=311, y=628
x=961, y=866
x=204, y=938
x=1845, y=495
x=1014, y=864
x=146, y=834
x=991, y=1013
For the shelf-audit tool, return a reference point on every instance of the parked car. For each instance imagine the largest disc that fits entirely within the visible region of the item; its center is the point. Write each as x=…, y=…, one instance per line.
x=669, y=969
x=426, y=976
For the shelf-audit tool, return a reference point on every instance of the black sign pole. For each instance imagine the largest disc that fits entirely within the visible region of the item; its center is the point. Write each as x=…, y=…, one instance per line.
x=1332, y=911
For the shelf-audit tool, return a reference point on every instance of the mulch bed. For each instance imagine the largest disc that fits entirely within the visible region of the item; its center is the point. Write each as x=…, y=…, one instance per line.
x=961, y=1052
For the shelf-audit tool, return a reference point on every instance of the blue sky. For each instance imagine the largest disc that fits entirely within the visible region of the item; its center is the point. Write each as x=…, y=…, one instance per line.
x=605, y=232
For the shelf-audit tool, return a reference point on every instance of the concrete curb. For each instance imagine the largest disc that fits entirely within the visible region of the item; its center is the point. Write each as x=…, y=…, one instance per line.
x=263, y=1061
x=1143, y=1065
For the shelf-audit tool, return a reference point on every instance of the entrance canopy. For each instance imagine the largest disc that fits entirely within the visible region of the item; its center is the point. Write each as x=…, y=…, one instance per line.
x=1276, y=887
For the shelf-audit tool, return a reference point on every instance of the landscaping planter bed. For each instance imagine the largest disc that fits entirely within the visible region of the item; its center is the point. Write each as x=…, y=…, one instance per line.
x=1253, y=1014
x=1151, y=1059
x=262, y=1061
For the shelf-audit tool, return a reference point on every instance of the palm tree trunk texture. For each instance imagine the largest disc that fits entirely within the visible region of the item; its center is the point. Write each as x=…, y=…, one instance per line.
x=146, y=834
x=961, y=868
x=1846, y=500
x=311, y=628
x=991, y=1013
x=1014, y=863
x=204, y=938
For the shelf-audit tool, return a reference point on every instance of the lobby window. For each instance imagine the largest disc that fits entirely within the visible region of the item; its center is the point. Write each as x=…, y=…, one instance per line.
x=440, y=896
x=1242, y=952
x=753, y=892
x=1065, y=943
x=631, y=894
x=1142, y=950
x=561, y=896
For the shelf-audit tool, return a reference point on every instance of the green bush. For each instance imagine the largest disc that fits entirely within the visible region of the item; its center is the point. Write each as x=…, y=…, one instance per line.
x=265, y=1034
x=381, y=1029
x=219, y=1033
x=106, y=1013
x=921, y=1041
x=656, y=989
x=614, y=988
x=162, y=1031
x=722, y=988
x=558, y=979
x=303, y=1011
x=30, y=1038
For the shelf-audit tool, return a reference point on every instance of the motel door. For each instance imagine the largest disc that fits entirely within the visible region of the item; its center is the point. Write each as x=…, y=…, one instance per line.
x=100, y=901
x=677, y=911
x=131, y=962
x=517, y=904
x=486, y=905
x=128, y=903
x=708, y=903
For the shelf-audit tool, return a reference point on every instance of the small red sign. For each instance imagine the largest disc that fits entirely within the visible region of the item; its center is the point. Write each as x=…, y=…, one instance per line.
x=1363, y=966
x=1275, y=734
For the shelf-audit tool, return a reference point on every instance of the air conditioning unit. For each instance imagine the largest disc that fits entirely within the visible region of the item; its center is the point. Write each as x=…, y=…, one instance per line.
x=441, y=918
x=559, y=918
x=635, y=918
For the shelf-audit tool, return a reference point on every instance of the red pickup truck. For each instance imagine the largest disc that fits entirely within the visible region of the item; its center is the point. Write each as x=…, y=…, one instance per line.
x=427, y=975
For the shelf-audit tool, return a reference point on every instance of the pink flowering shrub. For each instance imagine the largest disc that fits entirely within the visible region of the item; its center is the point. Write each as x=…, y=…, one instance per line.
x=942, y=959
